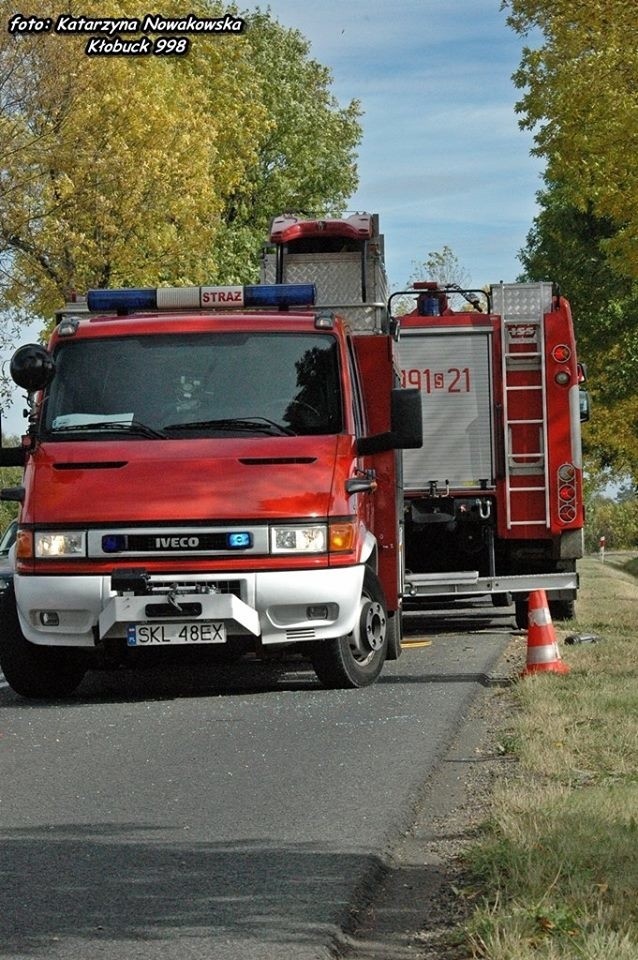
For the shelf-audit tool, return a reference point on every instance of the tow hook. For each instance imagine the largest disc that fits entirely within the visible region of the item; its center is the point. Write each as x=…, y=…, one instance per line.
x=485, y=509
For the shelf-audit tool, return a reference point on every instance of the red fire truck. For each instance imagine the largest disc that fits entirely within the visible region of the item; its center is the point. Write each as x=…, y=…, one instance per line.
x=493, y=499
x=207, y=471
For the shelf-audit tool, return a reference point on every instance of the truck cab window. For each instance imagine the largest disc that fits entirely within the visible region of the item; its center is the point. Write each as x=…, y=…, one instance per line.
x=208, y=384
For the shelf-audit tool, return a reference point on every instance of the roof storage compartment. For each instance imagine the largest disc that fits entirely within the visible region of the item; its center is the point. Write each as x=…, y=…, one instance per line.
x=342, y=258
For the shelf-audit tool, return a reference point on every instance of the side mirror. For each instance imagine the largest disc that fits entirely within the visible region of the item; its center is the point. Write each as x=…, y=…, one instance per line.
x=584, y=403
x=32, y=367
x=407, y=418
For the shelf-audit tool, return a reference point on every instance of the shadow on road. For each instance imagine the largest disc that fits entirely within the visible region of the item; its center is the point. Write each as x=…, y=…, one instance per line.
x=105, y=883
x=290, y=673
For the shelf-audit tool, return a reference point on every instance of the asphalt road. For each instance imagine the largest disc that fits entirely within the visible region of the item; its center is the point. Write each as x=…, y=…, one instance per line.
x=237, y=818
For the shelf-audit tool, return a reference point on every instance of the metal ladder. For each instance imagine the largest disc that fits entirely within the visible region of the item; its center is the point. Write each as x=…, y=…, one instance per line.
x=522, y=307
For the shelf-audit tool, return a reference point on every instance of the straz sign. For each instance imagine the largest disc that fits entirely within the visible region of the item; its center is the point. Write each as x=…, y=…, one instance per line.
x=222, y=296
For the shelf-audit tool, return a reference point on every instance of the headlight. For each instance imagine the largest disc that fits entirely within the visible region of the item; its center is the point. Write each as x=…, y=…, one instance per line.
x=337, y=537
x=303, y=539
x=59, y=544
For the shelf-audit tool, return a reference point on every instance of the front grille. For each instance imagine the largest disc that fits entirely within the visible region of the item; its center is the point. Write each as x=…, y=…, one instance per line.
x=194, y=586
x=187, y=540
x=153, y=542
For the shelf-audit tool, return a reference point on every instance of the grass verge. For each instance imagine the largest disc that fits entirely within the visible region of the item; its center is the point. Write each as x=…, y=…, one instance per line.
x=557, y=865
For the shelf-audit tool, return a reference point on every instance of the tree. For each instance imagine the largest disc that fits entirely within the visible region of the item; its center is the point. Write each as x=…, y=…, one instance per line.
x=113, y=169
x=305, y=162
x=615, y=520
x=9, y=477
x=568, y=246
x=441, y=265
x=153, y=170
x=580, y=98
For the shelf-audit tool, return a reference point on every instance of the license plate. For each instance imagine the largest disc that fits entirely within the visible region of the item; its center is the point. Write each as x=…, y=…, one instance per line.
x=156, y=634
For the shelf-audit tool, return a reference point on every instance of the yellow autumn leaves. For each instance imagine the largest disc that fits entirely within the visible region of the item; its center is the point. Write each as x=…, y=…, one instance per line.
x=145, y=170
x=581, y=99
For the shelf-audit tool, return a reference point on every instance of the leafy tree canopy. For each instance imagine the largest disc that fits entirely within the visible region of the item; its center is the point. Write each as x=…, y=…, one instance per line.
x=581, y=99
x=150, y=170
x=443, y=266
x=580, y=96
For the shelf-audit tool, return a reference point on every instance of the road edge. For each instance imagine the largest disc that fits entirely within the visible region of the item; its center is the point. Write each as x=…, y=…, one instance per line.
x=413, y=901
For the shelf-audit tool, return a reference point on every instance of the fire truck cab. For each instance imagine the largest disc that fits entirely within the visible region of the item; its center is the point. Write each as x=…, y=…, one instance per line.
x=207, y=471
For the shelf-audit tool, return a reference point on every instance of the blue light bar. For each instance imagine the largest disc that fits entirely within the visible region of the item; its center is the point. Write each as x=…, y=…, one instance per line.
x=275, y=296
x=121, y=300
x=280, y=295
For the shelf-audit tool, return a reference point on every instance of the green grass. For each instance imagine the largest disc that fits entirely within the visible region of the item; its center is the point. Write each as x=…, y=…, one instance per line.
x=558, y=865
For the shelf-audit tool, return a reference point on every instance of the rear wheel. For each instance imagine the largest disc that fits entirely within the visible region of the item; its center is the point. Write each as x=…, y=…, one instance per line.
x=521, y=614
x=562, y=609
x=357, y=659
x=34, y=671
x=501, y=599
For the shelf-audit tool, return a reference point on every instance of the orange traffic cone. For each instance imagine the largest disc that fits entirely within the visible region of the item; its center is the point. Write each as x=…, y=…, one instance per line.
x=542, y=649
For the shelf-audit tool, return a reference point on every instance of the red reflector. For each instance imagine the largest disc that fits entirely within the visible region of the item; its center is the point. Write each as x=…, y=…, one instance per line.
x=561, y=353
x=567, y=493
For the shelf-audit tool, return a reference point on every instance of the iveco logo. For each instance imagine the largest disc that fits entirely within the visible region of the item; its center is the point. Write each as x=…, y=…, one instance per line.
x=176, y=543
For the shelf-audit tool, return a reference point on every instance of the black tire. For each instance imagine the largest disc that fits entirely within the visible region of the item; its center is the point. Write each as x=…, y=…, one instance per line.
x=36, y=672
x=562, y=609
x=521, y=608
x=395, y=634
x=357, y=659
x=501, y=599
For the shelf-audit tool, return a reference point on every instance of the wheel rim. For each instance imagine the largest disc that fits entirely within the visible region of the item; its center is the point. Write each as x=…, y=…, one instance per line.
x=368, y=637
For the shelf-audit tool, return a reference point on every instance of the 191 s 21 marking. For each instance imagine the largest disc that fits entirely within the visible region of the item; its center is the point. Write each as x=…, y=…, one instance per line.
x=452, y=380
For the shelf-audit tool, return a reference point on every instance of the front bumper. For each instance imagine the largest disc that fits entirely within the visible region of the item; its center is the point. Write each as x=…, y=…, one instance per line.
x=277, y=607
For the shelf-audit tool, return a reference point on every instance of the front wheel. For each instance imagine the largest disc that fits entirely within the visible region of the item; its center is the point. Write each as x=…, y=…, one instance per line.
x=31, y=670
x=357, y=659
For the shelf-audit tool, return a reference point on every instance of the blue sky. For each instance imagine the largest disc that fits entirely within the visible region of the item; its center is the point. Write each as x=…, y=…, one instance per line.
x=443, y=160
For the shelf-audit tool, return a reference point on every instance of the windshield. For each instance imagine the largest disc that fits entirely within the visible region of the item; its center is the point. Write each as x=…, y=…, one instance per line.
x=196, y=384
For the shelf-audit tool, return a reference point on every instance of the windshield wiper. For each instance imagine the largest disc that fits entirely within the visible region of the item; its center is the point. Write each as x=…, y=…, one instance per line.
x=116, y=426
x=251, y=424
